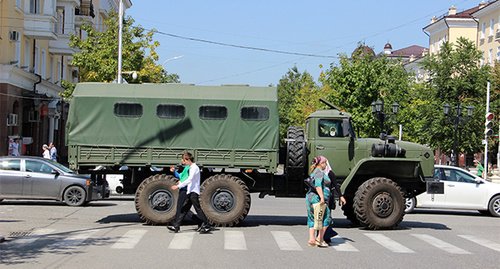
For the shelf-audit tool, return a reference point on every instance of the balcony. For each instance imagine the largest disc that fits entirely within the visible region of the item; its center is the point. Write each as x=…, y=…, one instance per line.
x=40, y=26
x=497, y=36
x=86, y=8
x=60, y=45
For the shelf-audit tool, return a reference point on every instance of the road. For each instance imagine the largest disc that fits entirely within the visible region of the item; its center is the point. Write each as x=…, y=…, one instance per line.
x=109, y=234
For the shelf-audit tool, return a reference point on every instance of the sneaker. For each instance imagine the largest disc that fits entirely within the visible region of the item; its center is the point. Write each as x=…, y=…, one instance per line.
x=173, y=229
x=205, y=230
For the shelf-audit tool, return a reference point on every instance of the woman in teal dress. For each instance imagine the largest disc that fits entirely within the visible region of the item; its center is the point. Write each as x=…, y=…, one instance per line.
x=319, y=171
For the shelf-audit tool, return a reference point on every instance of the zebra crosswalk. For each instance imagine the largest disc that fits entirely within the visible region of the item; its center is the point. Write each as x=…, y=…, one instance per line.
x=236, y=240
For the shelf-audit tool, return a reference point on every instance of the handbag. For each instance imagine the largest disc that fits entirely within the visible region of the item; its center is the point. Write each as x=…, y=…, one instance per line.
x=319, y=215
x=309, y=182
x=331, y=201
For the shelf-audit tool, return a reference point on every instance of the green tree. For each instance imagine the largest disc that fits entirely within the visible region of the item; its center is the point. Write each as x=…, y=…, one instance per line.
x=356, y=82
x=455, y=77
x=98, y=54
x=297, y=98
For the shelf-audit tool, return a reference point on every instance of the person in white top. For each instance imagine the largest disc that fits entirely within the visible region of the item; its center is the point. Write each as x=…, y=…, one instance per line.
x=15, y=147
x=193, y=193
x=46, y=152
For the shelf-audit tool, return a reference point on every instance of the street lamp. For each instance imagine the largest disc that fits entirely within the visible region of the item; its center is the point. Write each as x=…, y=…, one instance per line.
x=456, y=119
x=378, y=113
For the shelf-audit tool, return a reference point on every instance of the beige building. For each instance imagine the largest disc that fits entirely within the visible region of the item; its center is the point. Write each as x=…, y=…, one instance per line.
x=488, y=36
x=34, y=59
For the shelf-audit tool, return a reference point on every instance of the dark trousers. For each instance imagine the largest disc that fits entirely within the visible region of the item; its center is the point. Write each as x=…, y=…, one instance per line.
x=184, y=203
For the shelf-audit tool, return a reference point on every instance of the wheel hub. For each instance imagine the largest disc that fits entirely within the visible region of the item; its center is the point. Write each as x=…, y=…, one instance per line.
x=383, y=204
x=161, y=201
x=223, y=201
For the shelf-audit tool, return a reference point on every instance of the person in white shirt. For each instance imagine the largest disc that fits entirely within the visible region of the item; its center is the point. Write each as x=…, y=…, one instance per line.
x=46, y=152
x=15, y=147
x=193, y=192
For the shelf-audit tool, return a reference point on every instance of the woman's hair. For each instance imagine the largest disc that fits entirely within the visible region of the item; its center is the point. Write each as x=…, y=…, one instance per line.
x=316, y=162
x=188, y=156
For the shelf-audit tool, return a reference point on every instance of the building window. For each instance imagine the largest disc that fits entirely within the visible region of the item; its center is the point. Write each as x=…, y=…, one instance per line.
x=255, y=113
x=36, y=64
x=213, y=112
x=483, y=30
x=51, y=62
x=34, y=6
x=133, y=110
x=17, y=53
x=490, y=57
x=492, y=24
x=170, y=111
x=19, y=3
x=27, y=54
x=43, y=64
x=498, y=54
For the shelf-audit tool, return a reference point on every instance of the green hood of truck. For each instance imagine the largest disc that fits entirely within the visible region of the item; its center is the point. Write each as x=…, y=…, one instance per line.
x=92, y=121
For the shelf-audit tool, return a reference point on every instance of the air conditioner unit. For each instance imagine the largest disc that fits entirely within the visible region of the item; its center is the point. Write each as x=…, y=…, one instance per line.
x=34, y=116
x=12, y=120
x=14, y=36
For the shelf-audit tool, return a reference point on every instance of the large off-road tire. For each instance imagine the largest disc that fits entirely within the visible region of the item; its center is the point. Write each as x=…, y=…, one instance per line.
x=296, y=155
x=155, y=202
x=74, y=196
x=494, y=206
x=379, y=204
x=225, y=200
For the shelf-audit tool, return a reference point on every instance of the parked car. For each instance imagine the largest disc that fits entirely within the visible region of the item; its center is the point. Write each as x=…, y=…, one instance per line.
x=462, y=190
x=38, y=178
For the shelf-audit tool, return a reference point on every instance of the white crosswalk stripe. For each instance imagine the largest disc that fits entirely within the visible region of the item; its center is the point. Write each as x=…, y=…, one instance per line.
x=182, y=241
x=441, y=244
x=389, y=243
x=129, y=239
x=74, y=240
x=285, y=240
x=234, y=240
x=29, y=239
x=481, y=241
x=340, y=244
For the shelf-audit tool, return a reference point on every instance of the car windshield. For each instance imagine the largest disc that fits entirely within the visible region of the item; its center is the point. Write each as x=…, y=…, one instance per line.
x=62, y=167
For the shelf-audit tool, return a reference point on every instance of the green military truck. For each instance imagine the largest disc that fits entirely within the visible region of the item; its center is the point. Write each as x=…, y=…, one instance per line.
x=233, y=133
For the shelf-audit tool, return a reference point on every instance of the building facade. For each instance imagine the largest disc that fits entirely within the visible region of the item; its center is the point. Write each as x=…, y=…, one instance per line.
x=34, y=58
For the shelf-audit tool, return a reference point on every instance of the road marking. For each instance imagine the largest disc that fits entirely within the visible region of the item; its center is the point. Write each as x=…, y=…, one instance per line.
x=28, y=239
x=389, y=243
x=234, y=240
x=129, y=239
x=74, y=240
x=182, y=241
x=481, y=241
x=285, y=240
x=441, y=244
x=340, y=244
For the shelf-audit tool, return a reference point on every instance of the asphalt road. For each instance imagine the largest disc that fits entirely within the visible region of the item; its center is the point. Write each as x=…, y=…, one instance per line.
x=109, y=234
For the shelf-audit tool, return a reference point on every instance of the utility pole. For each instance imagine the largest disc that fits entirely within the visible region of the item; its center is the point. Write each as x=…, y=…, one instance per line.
x=120, y=35
x=485, y=135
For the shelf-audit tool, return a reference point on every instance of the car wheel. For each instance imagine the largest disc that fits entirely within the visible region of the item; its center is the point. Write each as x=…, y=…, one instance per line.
x=410, y=204
x=379, y=204
x=74, y=196
x=494, y=206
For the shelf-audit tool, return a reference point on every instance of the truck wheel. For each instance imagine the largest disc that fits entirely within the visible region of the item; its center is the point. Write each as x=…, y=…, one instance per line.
x=494, y=206
x=225, y=200
x=410, y=204
x=154, y=200
x=295, y=151
x=379, y=204
x=74, y=196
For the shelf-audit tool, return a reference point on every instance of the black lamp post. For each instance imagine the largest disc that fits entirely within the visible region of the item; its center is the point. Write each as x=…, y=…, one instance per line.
x=378, y=114
x=457, y=119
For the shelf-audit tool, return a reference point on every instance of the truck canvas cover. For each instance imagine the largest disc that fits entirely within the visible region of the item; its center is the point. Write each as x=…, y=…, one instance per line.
x=168, y=116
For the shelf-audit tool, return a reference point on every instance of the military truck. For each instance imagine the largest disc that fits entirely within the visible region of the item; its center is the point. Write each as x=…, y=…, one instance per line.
x=233, y=133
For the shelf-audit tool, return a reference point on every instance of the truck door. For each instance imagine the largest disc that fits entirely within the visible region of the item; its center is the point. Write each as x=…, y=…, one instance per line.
x=332, y=143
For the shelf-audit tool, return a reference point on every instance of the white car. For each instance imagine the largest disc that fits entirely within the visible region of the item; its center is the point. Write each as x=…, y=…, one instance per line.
x=462, y=190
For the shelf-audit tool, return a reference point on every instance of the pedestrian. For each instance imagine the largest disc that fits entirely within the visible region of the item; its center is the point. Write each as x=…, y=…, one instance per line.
x=53, y=152
x=329, y=233
x=319, y=171
x=181, y=199
x=14, y=147
x=480, y=168
x=46, y=152
x=192, y=182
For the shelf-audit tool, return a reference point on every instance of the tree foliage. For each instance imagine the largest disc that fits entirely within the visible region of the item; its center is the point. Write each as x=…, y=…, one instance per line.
x=98, y=54
x=356, y=82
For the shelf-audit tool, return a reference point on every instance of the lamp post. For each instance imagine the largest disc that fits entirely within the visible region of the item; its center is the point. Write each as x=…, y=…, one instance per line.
x=378, y=114
x=456, y=119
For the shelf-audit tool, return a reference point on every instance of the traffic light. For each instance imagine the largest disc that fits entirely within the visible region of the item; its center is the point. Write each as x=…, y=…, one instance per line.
x=488, y=124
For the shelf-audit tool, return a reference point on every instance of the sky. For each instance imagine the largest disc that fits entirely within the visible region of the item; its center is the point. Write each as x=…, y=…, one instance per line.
x=257, y=42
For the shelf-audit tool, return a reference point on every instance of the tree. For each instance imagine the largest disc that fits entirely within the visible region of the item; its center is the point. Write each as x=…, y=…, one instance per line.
x=455, y=76
x=297, y=98
x=98, y=55
x=354, y=83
